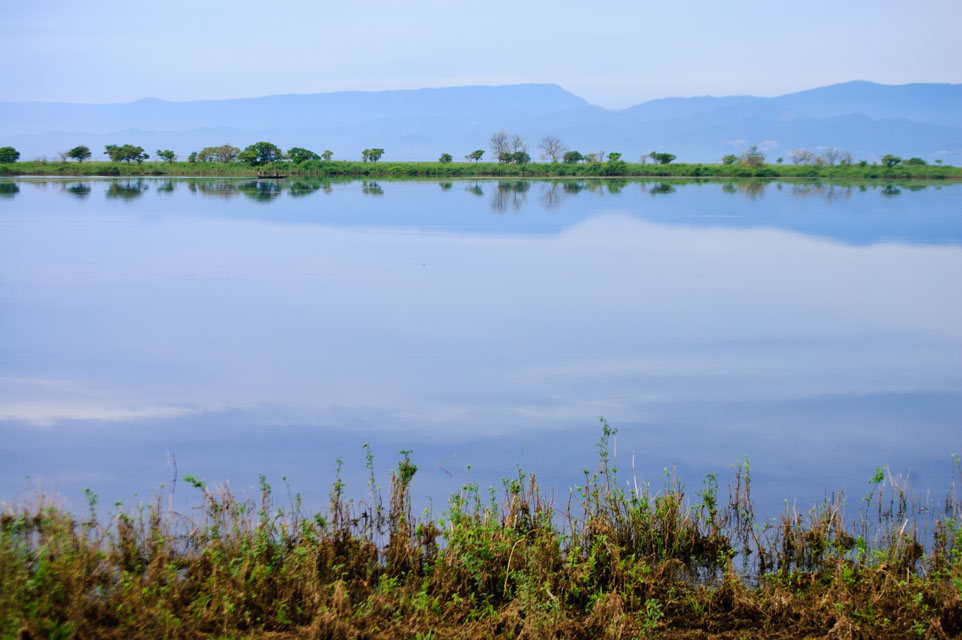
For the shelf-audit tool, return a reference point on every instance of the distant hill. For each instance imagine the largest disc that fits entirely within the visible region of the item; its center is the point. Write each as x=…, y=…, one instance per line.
x=865, y=118
x=931, y=103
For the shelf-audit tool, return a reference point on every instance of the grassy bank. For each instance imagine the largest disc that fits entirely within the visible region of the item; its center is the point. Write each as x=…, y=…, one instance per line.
x=318, y=168
x=612, y=559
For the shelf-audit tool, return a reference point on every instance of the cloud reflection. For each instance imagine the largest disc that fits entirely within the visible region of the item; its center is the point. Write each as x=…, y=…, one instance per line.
x=706, y=326
x=316, y=318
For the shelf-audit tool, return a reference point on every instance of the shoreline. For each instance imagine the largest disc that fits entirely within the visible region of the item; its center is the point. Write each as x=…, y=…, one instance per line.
x=554, y=171
x=662, y=562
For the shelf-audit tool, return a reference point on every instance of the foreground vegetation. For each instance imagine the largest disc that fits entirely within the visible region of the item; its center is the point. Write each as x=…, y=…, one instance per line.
x=616, y=168
x=609, y=561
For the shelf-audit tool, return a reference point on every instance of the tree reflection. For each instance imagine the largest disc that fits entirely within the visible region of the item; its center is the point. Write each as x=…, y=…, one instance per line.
x=126, y=189
x=753, y=189
x=504, y=195
x=214, y=188
x=551, y=195
x=475, y=189
x=371, y=188
x=615, y=186
x=828, y=191
x=660, y=189
x=510, y=195
x=595, y=187
x=260, y=190
x=79, y=189
x=301, y=188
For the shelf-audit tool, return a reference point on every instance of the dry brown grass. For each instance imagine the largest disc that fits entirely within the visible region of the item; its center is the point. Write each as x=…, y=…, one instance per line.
x=610, y=563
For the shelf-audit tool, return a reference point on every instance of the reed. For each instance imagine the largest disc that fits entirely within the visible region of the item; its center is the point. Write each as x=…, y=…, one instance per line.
x=617, y=558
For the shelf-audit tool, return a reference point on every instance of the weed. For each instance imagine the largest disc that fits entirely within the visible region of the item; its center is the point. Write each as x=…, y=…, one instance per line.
x=621, y=559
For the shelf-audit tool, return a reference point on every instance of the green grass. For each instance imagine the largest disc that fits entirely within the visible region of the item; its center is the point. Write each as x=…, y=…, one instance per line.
x=616, y=558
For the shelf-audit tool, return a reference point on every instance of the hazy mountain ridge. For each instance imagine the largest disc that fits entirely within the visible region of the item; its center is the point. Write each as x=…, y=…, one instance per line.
x=865, y=118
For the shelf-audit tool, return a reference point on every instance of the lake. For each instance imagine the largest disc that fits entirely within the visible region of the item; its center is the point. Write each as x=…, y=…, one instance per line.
x=227, y=328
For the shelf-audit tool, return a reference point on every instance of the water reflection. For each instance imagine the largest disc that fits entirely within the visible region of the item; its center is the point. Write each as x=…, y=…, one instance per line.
x=505, y=194
x=829, y=191
x=127, y=189
x=261, y=190
x=615, y=186
x=80, y=189
x=371, y=188
x=552, y=195
x=816, y=329
x=301, y=188
x=662, y=188
x=216, y=189
x=510, y=195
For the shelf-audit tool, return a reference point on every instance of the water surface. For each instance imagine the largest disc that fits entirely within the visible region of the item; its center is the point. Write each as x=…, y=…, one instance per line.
x=243, y=327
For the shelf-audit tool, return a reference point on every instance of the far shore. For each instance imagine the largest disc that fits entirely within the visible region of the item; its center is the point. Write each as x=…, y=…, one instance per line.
x=386, y=169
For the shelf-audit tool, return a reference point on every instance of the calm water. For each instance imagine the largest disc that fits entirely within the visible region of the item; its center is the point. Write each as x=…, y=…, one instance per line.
x=243, y=328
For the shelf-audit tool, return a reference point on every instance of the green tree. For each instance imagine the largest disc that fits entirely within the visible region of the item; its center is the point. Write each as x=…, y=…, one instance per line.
x=126, y=153
x=299, y=155
x=572, y=157
x=445, y=158
x=372, y=155
x=731, y=158
x=167, y=155
x=520, y=157
x=917, y=162
x=615, y=165
x=475, y=155
x=79, y=153
x=192, y=158
x=890, y=161
x=223, y=153
x=8, y=155
x=260, y=153
x=661, y=158
x=326, y=155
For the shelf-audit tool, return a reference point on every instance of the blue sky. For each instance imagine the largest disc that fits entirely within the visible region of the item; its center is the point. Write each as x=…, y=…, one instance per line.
x=612, y=52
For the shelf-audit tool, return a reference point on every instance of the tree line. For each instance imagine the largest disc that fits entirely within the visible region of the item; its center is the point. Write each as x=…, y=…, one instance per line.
x=506, y=148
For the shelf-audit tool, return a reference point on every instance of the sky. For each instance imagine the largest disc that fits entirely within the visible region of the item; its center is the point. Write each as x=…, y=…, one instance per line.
x=614, y=53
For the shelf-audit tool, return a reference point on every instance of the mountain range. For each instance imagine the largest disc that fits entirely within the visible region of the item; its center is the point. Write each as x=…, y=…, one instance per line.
x=864, y=118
